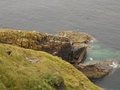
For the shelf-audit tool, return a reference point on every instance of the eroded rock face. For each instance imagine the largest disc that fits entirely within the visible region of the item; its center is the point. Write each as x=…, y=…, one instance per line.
x=97, y=70
x=79, y=42
x=70, y=46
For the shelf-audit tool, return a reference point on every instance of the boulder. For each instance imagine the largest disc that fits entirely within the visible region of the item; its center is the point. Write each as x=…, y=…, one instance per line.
x=97, y=70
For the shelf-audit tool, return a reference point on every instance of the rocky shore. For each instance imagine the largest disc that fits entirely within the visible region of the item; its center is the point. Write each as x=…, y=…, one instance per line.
x=68, y=45
x=97, y=70
x=81, y=44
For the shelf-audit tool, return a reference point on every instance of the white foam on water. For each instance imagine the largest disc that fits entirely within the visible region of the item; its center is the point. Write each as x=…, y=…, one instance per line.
x=92, y=41
x=91, y=59
x=115, y=65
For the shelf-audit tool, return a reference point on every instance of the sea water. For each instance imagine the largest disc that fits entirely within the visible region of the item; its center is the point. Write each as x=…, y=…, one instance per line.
x=100, y=18
x=99, y=52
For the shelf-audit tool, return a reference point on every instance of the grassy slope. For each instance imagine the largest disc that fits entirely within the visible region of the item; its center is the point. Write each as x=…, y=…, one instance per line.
x=26, y=69
x=25, y=39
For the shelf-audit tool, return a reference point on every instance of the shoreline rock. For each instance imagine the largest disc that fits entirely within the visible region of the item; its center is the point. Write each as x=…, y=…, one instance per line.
x=64, y=47
x=97, y=70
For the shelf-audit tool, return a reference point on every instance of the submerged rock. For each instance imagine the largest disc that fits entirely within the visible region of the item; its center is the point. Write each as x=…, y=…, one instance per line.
x=97, y=70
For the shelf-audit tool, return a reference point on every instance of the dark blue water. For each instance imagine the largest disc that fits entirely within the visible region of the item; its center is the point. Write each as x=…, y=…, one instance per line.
x=100, y=18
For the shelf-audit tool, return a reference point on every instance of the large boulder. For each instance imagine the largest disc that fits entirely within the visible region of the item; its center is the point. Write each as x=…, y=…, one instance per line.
x=97, y=70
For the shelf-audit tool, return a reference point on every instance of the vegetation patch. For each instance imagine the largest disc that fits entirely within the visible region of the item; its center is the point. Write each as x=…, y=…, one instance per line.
x=48, y=73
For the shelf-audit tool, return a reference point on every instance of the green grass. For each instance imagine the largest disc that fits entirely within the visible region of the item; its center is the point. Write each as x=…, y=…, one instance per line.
x=25, y=69
x=25, y=39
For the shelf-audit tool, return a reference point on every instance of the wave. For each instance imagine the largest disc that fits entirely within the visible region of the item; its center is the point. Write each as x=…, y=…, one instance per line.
x=115, y=65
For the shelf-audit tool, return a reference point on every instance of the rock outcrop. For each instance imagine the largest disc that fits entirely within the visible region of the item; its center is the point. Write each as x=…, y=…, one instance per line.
x=70, y=46
x=79, y=42
x=97, y=70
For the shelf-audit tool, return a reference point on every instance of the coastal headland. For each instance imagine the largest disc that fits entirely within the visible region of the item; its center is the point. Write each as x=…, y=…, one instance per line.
x=60, y=57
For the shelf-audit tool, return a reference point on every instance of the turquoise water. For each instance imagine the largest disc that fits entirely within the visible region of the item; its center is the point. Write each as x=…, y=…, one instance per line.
x=100, y=52
x=100, y=18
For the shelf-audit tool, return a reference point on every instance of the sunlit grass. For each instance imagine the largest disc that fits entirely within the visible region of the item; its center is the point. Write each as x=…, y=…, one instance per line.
x=18, y=71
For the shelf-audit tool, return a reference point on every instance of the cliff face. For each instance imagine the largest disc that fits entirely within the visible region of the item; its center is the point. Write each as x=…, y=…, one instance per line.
x=79, y=43
x=26, y=69
x=70, y=46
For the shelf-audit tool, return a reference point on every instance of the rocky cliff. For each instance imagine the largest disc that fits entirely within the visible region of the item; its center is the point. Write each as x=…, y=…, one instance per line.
x=68, y=45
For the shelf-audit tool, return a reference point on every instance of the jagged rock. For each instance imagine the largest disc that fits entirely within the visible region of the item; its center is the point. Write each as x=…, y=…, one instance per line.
x=97, y=70
x=79, y=42
x=72, y=47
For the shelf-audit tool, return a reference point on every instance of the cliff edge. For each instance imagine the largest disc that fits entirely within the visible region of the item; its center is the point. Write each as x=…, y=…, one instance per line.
x=26, y=69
